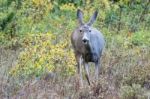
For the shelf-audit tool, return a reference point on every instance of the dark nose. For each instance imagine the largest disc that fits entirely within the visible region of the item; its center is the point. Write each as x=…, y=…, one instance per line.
x=84, y=41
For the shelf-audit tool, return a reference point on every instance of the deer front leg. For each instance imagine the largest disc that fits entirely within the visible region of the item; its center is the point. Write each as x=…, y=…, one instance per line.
x=86, y=67
x=79, y=69
x=96, y=70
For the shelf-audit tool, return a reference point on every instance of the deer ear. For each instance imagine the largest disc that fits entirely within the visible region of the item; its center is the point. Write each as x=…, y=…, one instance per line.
x=93, y=18
x=80, y=16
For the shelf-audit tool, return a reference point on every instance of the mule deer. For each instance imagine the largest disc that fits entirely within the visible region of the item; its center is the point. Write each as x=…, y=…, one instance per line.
x=88, y=44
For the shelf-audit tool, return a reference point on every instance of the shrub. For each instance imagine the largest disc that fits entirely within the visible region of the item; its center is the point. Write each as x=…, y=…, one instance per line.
x=132, y=92
x=44, y=54
x=141, y=38
x=138, y=75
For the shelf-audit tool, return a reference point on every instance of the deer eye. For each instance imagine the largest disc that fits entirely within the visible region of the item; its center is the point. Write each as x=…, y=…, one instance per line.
x=89, y=30
x=80, y=30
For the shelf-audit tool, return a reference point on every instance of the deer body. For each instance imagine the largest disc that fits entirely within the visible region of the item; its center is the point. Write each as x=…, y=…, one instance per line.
x=92, y=51
x=88, y=44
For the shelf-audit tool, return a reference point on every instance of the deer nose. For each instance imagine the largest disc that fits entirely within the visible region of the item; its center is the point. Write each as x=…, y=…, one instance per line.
x=85, y=41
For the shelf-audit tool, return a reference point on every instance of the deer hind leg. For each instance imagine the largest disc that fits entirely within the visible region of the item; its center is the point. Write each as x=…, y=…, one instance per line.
x=79, y=69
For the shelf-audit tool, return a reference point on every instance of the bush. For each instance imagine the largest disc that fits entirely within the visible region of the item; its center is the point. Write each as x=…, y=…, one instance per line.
x=141, y=38
x=132, y=92
x=42, y=54
x=138, y=75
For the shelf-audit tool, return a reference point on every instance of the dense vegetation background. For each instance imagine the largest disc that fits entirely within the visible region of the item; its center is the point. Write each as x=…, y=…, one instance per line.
x=37, y=60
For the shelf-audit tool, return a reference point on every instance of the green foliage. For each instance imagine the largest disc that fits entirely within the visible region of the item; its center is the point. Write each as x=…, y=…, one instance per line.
x=132, y=92
x=141, y=38
x=42, y=54
x=20, y=17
